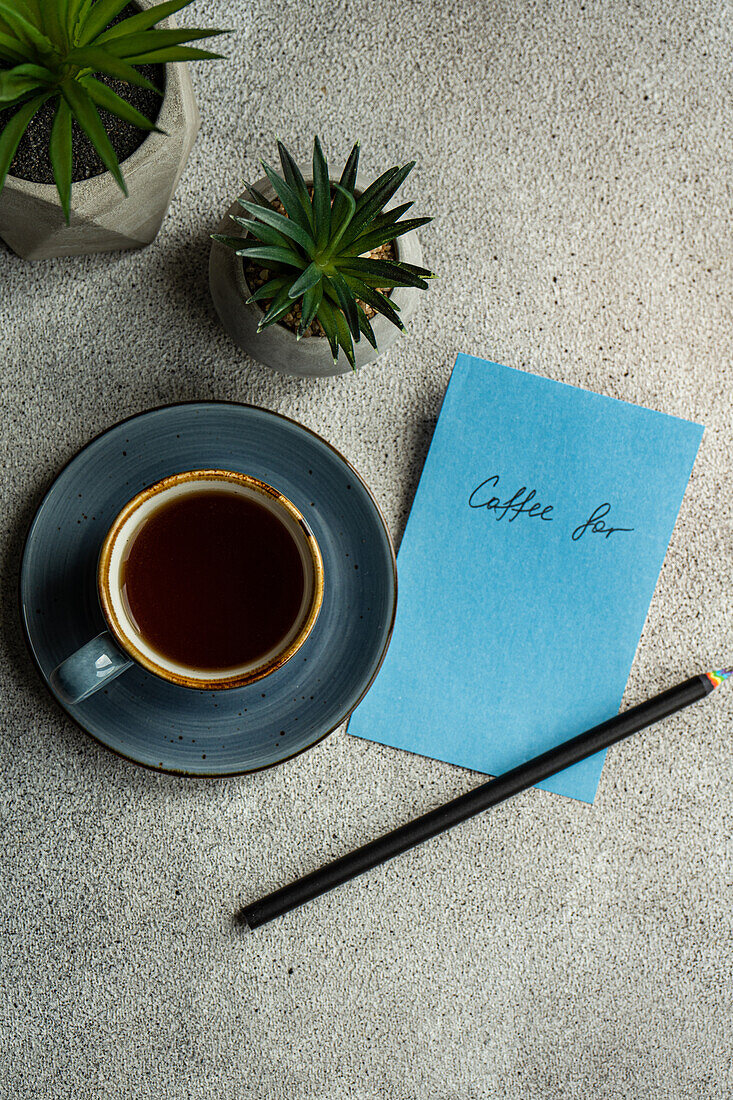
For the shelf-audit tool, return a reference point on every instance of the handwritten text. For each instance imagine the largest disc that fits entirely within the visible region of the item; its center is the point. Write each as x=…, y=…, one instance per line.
x=596, y=524
x=515, y=506
x=524, y=503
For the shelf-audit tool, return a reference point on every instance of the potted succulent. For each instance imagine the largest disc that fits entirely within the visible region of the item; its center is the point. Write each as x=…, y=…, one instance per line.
x=84, y=85
x=304, y=266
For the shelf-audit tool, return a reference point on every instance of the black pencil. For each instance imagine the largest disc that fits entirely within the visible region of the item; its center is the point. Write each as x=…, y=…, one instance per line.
x=481, y=798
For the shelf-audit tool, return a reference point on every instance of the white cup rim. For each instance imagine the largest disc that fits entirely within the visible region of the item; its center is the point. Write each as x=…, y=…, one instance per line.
x=121, y=533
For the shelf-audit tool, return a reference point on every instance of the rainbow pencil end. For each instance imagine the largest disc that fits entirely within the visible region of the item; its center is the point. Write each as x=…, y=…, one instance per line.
x=718, y=675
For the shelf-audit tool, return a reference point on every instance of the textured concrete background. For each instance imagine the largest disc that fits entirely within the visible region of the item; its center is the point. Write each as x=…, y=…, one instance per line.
x=578, y=159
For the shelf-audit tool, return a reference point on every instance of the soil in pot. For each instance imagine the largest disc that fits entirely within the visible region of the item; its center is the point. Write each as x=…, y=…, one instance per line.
x=31, y=160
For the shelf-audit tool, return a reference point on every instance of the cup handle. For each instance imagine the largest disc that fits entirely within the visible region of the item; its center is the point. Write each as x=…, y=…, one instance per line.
x=87, y=670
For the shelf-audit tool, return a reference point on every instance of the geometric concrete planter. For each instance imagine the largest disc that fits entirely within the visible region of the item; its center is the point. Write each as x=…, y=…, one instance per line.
x=277, y=346
x=102, y=219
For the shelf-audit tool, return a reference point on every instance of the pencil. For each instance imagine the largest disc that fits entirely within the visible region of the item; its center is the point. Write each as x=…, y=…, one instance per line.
x=482, y=798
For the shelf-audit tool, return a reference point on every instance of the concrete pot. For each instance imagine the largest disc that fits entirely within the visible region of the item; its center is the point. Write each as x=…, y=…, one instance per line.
x=277, y=346
x=102, y=219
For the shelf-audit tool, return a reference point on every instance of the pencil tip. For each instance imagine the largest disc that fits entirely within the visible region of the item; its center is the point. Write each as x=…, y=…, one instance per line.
x=719, y=675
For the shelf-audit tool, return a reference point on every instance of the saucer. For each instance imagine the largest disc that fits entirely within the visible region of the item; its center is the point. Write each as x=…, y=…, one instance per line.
x=183, y=730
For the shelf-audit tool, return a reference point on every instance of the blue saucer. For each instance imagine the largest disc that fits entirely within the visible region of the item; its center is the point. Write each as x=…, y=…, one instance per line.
x=192, y=732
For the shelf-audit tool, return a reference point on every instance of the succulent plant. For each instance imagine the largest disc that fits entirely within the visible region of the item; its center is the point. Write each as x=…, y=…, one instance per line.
x=52, y=49
x=316, y=252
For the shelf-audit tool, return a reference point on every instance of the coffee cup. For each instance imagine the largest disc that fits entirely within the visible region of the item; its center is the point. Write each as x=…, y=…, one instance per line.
x=209, y=579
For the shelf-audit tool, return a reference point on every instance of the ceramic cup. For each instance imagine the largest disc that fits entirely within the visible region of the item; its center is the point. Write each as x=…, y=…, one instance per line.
x=121, y=645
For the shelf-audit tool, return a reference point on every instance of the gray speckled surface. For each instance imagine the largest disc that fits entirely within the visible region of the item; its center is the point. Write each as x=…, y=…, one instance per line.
x=578, y=158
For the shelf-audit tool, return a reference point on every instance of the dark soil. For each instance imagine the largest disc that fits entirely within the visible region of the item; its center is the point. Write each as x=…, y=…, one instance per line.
x=31, y=159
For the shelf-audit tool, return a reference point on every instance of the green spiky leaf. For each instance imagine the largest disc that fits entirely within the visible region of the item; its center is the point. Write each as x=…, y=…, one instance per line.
x=309, y=278
x=376, y=197
x=348, y=176
x=36, y=43
x=347, y=302
x=365, y=327
x=294, y=179
x=326, y=315
x=311, y=301
x=383, y=272
x=269, y=289
x=284, y=225
x=370, y=240
x=375, y=299
x=321, y=196
x=230, y=241
x=13, y=131
x=256, y=196
x=281, y=304
x=389, y=217
x=103, y=96
x=415, y=270
x=60, y=155
x=143, y=20
x=86, y=115
x=288, y=198
x=271, y=252
x=340, y=220
x=77, y=11
x=261, y=232
x=11, y=49
x=98, y=60
x=343, y=335
x=344, y=202
x=154, y=41
x=174, y=53
x=53, y=21
x=97, y=18
x=22, y=80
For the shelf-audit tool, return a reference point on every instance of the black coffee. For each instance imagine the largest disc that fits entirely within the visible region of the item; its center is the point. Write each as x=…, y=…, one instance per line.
x=213, y=580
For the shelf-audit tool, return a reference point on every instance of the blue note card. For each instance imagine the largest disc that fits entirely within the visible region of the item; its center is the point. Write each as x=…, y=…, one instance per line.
x=526, y=571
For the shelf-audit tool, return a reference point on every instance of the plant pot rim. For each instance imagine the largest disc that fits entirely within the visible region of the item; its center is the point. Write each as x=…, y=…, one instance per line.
x=150, y=145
